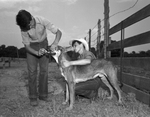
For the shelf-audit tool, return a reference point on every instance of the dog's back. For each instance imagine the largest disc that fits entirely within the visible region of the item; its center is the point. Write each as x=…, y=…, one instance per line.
x=97, y=67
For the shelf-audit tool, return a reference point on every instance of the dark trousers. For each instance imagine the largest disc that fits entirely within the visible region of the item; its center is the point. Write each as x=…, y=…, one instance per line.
x=88, y=89
x=32, y=64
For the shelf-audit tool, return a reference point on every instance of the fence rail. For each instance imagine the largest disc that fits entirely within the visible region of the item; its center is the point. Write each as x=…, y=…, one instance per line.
x=140, y=39
x=4, y=61
x=139, y=85
x=133, y=62
x=135, y=83
x=138, y=16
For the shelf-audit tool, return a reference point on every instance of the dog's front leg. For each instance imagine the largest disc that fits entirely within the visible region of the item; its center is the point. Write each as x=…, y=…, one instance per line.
x=67, y=95
x=71, y=95
x=70, y=81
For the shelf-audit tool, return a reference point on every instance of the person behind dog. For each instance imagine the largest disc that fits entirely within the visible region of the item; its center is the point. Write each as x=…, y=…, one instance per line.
x=34, y=38
x=88, y=89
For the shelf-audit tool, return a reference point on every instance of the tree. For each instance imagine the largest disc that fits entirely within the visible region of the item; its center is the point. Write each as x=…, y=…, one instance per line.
x=2, y=51
x=11, y=51
x=148, y=53
x=142, y=54
x=22, y=52
x=126, y=54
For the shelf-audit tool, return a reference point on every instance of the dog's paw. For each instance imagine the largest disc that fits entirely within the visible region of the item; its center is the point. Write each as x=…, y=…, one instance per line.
x=120, y=104
x=120, y=101
x=109, y=97
x=64, y=103
x=69, y=108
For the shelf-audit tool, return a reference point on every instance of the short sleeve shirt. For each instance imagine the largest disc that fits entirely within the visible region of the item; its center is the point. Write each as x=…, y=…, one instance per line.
x=87, y=55
x=38, y=34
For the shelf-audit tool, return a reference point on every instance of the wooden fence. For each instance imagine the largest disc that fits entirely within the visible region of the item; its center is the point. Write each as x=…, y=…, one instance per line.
x=135, y=83
x=4, y=61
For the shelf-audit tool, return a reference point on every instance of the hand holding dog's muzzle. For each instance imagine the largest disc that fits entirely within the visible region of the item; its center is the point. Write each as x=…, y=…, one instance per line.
x=53, y=47
x=49, y=51
x=42, y=51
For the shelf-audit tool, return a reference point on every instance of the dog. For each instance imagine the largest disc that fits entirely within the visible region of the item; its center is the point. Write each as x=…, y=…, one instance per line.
x=80, y=73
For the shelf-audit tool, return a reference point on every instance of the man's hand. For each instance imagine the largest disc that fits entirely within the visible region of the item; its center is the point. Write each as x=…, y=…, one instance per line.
x=53, y=47
x=42, y=51
x=66, y=63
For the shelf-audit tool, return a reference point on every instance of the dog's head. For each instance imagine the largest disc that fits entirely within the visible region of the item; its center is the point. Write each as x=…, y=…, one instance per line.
x=56, y=52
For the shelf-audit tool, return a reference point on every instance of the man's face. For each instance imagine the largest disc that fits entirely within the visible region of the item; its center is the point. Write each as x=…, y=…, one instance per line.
x=32, y=23
x=77, y=47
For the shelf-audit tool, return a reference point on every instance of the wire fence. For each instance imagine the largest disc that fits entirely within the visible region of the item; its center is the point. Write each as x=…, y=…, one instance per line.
x=98, y=33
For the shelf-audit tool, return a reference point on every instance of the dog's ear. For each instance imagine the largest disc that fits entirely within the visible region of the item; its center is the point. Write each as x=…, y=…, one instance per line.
x=60, y=48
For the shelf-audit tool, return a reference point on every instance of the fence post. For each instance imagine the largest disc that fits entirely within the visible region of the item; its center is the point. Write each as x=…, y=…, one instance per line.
x=106, y=28
x=121, y=53
x=18, y=55
x=98, y=38
x=90, y=39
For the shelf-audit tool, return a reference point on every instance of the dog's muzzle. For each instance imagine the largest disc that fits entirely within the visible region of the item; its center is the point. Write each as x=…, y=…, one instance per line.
x=49, y=51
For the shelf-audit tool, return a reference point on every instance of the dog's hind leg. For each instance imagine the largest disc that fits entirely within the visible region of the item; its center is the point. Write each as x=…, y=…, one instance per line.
x=105, y=81
x=116, y=86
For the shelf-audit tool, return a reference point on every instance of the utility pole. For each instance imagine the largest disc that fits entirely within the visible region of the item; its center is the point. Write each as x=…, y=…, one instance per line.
x=98, y=38
x=106, y=28
x=90, y=39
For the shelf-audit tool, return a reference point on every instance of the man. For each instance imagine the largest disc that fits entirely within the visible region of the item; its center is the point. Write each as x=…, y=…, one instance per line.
x=34, y=38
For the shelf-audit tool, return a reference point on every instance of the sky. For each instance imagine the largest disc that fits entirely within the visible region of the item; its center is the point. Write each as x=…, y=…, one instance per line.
x=73, y=17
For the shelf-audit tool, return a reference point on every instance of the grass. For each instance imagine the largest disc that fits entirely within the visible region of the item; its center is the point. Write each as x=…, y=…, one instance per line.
x=14, y=100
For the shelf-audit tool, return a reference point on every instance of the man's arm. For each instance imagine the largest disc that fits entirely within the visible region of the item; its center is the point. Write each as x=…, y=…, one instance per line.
x=51, y=27
x=37, y=53
x=57, y=37
x=29, y=49
x=86, y=60
x=77, y=62
x=25, y=38
x=80, y=62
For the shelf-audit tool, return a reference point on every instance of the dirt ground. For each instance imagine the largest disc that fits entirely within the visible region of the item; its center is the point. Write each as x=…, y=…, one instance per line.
x=14, y=100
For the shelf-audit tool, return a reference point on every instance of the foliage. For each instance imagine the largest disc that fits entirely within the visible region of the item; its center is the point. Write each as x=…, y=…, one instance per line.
x=12, y=51
x=2, y=50
x=22, y=52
